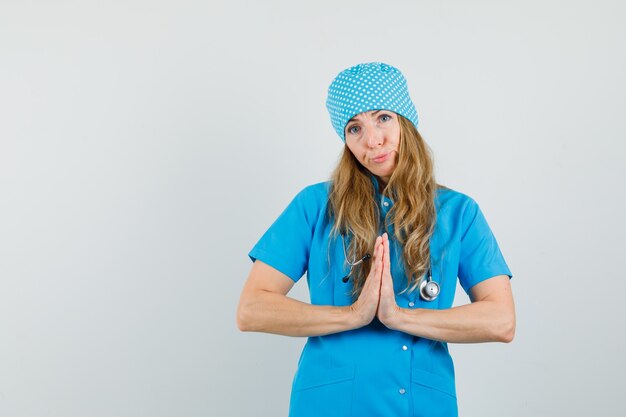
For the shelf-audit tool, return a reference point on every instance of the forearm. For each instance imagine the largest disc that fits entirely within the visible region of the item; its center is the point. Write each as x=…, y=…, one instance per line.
x=269, y=312
x=481, y=321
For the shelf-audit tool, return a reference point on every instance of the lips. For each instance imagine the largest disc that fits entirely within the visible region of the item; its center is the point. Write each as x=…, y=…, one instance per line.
x=381, y=158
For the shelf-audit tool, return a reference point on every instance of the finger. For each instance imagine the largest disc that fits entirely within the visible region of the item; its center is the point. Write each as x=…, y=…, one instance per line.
x=375, y=246
x=379, y=264
x=387, y=256
x=373, y=283
x=387, y=285
x=382, y=243
x=375, y=259
x=373, y=280
x=375, y=252
x=378, y=256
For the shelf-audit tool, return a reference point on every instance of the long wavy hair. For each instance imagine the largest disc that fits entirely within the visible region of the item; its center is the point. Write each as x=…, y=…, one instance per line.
x=412, y=188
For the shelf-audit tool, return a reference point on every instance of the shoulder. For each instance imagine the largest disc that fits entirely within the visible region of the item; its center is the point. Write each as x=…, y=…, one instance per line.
x=317, y=191
x=455, y=205
x=448, y=197
x=314, y=195
x=312, y=200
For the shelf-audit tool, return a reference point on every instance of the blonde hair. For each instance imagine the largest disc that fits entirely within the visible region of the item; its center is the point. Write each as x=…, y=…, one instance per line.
x=412, y=188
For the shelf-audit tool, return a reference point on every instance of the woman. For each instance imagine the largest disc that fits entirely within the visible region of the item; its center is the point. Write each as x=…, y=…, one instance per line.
x=382, y=245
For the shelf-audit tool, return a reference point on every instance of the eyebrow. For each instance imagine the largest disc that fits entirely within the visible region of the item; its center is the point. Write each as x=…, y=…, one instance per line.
x=352, y=120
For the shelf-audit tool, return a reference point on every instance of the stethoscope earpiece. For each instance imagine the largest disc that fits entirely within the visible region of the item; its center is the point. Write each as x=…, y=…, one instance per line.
x=365, y=258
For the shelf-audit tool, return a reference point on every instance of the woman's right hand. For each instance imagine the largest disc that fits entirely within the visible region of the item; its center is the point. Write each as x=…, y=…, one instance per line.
x=365, y=307
x=265, y=307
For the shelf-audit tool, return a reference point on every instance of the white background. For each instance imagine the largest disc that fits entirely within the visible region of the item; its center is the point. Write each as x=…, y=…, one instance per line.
x=145, y=146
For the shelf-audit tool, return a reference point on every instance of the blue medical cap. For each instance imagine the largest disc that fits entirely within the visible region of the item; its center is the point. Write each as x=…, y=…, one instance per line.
x=365, y=87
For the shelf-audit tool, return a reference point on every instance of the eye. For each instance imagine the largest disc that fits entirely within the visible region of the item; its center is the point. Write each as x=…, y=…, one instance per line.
x=385, y=117
x=353, y=129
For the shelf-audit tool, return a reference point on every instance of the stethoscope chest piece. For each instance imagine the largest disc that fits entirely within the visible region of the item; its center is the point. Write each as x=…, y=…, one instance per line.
x=429, y=289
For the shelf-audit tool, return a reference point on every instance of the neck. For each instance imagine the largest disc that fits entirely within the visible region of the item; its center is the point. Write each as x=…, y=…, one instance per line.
x=382, y=183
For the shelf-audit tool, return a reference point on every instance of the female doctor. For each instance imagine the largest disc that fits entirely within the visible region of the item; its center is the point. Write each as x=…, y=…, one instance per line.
x=382, y=245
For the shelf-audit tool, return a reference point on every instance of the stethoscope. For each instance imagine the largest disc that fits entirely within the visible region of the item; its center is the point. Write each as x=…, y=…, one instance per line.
x=429, y=288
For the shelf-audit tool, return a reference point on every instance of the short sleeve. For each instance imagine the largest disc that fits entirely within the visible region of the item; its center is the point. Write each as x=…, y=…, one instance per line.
x=480, y=256
x=286, y=245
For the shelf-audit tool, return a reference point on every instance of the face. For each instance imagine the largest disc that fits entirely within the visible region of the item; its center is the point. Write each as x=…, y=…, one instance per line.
x=373, y=138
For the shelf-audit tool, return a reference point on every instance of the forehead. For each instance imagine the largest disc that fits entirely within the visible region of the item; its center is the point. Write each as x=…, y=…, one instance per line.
x=366, y=114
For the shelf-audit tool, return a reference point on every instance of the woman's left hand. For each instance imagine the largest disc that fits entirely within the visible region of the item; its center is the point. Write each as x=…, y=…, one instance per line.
x=388, y=311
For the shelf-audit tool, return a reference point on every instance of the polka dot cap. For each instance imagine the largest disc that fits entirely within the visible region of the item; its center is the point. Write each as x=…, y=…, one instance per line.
x=365, y=87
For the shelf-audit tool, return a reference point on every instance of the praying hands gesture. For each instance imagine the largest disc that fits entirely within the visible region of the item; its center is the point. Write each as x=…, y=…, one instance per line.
x=265, y=307
x=377, y=298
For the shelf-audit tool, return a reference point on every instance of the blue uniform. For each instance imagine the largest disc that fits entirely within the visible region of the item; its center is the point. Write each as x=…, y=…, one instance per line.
x=374, y=371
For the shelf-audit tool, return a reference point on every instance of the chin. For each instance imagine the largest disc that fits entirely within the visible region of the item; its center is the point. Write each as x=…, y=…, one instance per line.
x=383, y=173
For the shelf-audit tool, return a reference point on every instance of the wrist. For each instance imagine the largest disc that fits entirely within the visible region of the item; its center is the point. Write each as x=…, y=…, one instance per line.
x=354, y=318
x=394, y=321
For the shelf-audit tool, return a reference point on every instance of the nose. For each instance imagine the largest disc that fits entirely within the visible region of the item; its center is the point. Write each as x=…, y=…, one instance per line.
x=374, y=136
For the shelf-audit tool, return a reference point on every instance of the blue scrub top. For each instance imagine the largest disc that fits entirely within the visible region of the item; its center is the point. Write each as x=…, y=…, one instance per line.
x=375, y=371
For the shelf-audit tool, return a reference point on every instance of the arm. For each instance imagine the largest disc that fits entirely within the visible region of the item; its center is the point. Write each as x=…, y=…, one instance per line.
x=489, y=318
x=265, y=307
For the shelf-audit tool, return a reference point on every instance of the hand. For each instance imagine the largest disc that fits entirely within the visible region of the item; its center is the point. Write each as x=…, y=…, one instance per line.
x=388, y=309
x=366, y=305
